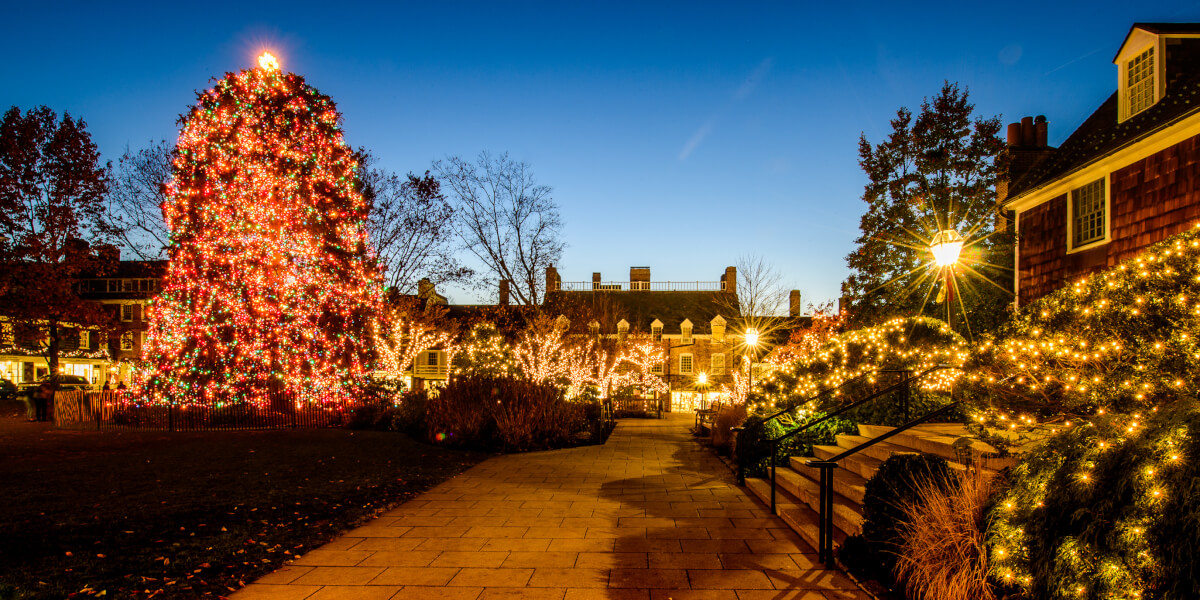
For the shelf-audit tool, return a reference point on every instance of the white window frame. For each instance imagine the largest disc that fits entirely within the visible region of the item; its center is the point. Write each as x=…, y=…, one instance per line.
x=656, y=368
x=1148, y=83
x=716, y=364
x=1072, y=246
x=685, y=331
x=127, y=308
x=690, y=362
x=85, y=339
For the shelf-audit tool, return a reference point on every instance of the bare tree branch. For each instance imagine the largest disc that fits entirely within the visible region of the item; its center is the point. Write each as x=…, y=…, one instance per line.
x=136, y=198
x=505, y=220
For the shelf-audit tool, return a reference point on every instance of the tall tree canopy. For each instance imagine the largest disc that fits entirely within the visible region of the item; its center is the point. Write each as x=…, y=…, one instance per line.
x=411, y=228
x=506, y=220
x=52, y=227
x=270, y=284
x=935, y=171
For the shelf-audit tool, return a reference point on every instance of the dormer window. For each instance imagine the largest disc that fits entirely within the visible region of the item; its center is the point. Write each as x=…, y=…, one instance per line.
x=685, y=328
x=1139, y=83
x=718, y=328
x=622, y=329
x=656, y=330
x=594, y=328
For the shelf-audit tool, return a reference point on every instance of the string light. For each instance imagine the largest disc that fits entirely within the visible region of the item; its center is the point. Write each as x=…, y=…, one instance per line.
x=269, y=285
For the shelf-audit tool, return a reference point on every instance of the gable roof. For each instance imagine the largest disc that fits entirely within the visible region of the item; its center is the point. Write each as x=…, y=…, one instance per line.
x=1101, y=135
x=1158, y=29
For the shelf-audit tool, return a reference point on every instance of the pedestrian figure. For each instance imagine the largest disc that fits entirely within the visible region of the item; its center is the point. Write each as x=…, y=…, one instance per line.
x=121, y=385
x=42, y=398
x=106, y=386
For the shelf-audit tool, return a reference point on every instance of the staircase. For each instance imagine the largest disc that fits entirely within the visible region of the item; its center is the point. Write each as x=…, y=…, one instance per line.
x=797, y=489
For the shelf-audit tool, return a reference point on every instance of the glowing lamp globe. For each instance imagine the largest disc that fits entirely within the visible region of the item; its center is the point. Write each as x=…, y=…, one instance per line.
x=267, y=62
x=946, y=246
x=702, y=378
x=752, y=336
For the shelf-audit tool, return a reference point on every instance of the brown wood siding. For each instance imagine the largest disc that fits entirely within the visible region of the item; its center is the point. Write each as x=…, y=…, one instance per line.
x=1042, y=234
x=1154, y=198
x=1150, y=200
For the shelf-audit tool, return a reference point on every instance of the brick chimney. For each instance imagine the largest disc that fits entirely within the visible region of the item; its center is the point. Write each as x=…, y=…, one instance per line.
x=794, y=303
x=729, y=280
x=639, y=278
x=553, y=281
x=1026, y=147
x=503, y=292
x=595, y=281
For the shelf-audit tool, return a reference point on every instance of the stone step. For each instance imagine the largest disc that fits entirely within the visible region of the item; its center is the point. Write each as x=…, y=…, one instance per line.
x=851, y=485
x=938, y=439
x=847, y=513
x=881, y=451
x=800, y=517
x=804, y=521
x=859, y=464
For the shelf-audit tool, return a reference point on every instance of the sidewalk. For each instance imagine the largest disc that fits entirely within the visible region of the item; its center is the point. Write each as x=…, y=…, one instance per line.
x=648, y=516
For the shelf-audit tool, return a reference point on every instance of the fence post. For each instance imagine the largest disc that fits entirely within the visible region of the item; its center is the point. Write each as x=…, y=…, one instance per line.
x=171, y=416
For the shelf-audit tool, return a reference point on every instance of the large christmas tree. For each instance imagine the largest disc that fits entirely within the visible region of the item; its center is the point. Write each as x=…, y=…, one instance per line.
x=270, y=286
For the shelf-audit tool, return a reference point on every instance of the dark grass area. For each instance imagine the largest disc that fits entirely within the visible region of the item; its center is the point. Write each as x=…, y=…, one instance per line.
x=185, y=515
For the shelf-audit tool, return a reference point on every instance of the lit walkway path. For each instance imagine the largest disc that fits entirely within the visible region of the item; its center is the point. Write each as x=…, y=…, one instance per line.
x=648, y=516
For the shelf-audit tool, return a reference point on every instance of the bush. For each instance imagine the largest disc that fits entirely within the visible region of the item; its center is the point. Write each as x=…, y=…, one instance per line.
x=1107, y=506
x=872, y=555
x=754, y=441
x=943, y=555
x=409, y=416
x=503, y=413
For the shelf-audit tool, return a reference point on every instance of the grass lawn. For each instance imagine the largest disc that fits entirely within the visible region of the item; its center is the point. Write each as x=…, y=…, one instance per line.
x=185, y=515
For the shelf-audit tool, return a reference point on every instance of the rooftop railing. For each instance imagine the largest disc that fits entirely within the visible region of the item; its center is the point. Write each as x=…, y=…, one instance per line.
x=641, y=286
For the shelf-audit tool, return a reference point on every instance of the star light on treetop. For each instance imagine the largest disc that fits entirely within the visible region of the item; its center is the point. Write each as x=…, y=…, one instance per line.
x=267, y=62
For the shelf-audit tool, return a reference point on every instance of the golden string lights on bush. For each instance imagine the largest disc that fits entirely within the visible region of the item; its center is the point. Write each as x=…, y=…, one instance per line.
x=269, y=285
x=915, y=343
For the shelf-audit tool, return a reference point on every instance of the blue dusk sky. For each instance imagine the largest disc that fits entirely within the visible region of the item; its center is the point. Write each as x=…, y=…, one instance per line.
x=679, y=136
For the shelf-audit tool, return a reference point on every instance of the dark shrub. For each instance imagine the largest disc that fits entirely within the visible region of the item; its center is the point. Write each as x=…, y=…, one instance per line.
x=409, y=416
x=504, y=413
x=872, y=554
x=754, y=441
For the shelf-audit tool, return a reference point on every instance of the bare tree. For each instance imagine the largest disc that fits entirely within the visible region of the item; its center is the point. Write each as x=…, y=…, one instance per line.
x=505, y=219
x=410, y=227
x=762, y=302
x=136, y=198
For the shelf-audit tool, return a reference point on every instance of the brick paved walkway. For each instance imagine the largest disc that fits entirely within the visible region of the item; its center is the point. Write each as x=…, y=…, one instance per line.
x=648, y=516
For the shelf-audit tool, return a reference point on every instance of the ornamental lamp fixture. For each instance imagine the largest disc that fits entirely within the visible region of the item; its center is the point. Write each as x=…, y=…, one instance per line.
x=945, y=247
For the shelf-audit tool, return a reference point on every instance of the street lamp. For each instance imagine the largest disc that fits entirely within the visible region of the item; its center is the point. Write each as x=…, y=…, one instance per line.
x=752, y=342
x=945, y=247
x=702, y=380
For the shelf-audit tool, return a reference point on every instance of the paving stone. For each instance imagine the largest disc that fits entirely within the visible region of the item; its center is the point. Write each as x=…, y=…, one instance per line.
x=648, y=516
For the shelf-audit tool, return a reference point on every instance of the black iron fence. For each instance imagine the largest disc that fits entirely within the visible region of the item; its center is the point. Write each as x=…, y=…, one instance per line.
x=125, y=409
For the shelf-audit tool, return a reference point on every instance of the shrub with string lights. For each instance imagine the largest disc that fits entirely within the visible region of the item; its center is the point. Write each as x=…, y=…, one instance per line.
x=270, y=287
x=1102, y=370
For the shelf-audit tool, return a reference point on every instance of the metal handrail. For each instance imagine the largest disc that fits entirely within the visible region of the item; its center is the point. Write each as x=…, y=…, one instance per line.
x=742, y=468
x=825, y=499
x=904, y=383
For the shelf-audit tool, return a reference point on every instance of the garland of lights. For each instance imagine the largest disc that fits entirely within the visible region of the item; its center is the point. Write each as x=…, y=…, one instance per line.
x=1087, y=367
x=269, y=285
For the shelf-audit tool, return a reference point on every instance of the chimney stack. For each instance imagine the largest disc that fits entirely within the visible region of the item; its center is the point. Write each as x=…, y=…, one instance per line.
x=729, y=280
x=503, y=292
x=553, y=281
x=794, y=303
x=595, y=281
x=1031, y=132
x=639, y=278
x=425, y=289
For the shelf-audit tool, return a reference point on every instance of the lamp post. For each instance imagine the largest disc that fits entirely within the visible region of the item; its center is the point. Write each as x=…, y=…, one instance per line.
x=945, y=247
x=702, y=380
x=752, y=343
